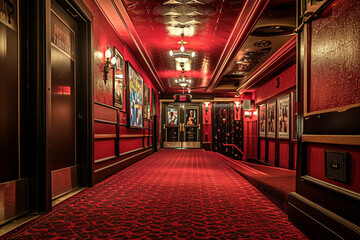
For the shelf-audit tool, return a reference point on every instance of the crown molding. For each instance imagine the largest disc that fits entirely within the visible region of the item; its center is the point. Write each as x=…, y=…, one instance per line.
x=247, y=19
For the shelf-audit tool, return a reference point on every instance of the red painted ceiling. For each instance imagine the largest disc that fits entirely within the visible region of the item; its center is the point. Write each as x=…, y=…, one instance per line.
x=206, y=24
x=217, y=31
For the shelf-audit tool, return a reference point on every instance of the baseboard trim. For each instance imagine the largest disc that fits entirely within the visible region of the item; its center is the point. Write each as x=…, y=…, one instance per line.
x=318, y=222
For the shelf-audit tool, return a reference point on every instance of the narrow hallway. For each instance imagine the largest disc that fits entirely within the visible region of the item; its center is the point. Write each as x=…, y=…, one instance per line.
x=170, y=194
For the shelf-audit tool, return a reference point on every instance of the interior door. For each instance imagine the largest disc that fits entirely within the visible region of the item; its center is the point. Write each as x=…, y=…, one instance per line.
x=181, y=126
x=64, y=166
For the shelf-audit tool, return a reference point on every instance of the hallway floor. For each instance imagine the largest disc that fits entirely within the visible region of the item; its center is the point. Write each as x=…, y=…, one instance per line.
x=181, y=194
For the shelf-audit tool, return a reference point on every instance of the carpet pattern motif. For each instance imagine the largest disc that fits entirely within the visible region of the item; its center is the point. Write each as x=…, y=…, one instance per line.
x=172, y=194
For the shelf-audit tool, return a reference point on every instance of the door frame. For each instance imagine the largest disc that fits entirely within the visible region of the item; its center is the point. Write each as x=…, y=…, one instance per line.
x=163, y=107
x=38, y=75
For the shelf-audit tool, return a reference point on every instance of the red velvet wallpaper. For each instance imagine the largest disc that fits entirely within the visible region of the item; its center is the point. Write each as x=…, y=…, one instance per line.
x=316, y=164
x=287, y=79
x=271, y=152
x=262, y=150
x=335, y=57
x=284, y=154
x=104, y=148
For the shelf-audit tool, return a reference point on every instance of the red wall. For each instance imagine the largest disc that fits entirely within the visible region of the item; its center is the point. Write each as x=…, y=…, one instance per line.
x=267, y=92
x=316, y=164
x=334, y=79
x=287, y=80
x=335, y=57
x=104, y=35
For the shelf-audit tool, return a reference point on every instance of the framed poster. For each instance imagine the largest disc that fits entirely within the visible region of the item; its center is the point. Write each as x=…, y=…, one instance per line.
x=147, y=104
x=118, y=79
x=191, y=116
x=262, y=120
x=135, y=85
x=283, y=116
x=172, y=116
x=270, y=119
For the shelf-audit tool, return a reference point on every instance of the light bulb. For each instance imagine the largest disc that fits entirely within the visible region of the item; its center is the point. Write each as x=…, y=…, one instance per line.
x=171, y=53
x=113, y=60
x=108, y=53
x=176, y=81
x=182, y=48
x=193, y=54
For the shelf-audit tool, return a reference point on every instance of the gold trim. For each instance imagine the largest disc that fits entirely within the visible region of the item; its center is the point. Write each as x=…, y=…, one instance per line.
x=337, y=109
x=18, y=88
x=123, y=160
x=332, y=139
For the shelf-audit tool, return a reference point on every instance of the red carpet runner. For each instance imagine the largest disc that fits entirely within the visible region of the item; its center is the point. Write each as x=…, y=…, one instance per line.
x=173, y=194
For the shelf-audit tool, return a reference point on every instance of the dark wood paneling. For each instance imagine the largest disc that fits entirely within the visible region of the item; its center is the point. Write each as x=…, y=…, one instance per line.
x=9, y=164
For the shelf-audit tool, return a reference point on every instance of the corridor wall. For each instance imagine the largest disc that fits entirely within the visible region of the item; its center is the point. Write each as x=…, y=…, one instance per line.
x=115, y=145
x=277, y=151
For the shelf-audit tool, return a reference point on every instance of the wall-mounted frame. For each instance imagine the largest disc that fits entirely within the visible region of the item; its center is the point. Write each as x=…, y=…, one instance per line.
x=262, y=120
x=319, y=107
x=293, y=116
x=283, y=117
x=135, y=85
x=118, y=79
x=271, y=119
x=147, y=103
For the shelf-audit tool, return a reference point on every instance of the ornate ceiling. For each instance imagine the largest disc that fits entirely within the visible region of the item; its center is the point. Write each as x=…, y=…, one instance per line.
x=217, y=31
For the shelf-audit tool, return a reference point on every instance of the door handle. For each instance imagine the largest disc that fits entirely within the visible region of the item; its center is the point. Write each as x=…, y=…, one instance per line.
x=164, y=125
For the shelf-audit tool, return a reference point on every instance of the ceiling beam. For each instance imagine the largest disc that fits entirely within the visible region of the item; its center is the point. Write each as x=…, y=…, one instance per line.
x=248, y=17
x=280, y=58
x=119, y=19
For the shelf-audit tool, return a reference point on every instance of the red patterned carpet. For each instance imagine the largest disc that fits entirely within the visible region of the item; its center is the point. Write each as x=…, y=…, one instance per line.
x=173, y=194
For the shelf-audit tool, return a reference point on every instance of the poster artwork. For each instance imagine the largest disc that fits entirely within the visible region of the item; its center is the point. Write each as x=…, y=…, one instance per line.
x=135, y=98
x=262, y=120
x=283, y=117
x=271, y=124
x=172, y=116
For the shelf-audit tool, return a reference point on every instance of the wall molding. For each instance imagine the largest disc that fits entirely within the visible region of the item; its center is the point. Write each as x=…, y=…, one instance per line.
x=122, y=160
x=279, y=59
x=318, y=222
x=332, y=139
x=248, y=17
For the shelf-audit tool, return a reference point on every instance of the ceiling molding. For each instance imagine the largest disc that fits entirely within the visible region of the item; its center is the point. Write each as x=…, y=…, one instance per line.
x=247, y=19
x=281, y=57
x=119, y=19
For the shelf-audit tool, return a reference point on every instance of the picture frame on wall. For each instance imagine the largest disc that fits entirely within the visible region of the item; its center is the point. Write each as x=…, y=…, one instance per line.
x=135, y=85
x=283, y=117
x=262, y=120
x=118, y=79
x=271, y=119
x=293, y=116
x=147, y=103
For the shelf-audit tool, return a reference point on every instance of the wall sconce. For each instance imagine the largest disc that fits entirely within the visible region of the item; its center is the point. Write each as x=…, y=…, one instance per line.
x=237, y=106
x=248, y=114
x=109, y=64
x=207, y=104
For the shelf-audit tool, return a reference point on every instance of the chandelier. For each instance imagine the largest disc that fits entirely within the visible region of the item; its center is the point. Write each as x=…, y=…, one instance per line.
x=182, y=55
